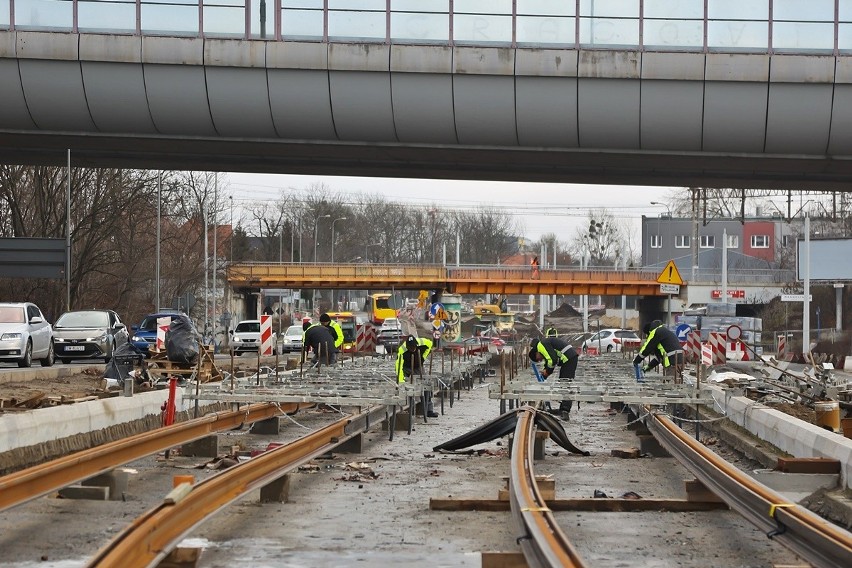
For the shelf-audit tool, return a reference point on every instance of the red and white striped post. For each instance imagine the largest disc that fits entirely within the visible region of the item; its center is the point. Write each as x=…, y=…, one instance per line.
x=266, y=335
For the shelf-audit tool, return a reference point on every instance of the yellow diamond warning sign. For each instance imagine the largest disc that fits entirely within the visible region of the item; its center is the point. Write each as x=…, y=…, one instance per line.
x=670, y=275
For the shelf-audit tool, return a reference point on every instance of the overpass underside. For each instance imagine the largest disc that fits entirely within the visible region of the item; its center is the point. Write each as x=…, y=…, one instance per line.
x=512, y=280
x=603, y=116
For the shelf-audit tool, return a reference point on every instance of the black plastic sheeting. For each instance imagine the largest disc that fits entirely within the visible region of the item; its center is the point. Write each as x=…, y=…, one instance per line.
x=505, y=424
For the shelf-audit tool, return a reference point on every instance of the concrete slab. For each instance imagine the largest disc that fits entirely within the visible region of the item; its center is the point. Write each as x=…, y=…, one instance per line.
x=795, y=486
x=46, y=424
x=787, y=433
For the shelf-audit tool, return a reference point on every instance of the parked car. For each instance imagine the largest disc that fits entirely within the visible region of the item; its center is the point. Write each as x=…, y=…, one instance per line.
x=390, y=333
x=25, y=334
x=292, y=339
x=145, y=334
x=246, y=337
x=88, y=334
x=608, y=340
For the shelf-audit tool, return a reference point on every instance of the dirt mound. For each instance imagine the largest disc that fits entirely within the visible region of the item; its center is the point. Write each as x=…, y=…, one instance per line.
x=564, y=311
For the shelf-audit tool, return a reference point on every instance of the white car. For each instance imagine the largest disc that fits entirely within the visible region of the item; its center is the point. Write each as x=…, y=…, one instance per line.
x=25, y=334
x=292, y=339
x=246, y=337
x=608, y=340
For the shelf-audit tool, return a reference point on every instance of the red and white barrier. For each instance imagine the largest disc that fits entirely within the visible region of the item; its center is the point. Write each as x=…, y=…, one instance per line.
x=737, y=351
x=163, y=325
x=692, y=347
x=266, y=335
x=718, y=346
x=782, y=346
x=365, y=338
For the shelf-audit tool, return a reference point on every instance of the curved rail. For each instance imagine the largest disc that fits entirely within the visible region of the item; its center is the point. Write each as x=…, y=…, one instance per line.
x=27, y=484
x=542, y=541
x=149, y=539
x=811, y=537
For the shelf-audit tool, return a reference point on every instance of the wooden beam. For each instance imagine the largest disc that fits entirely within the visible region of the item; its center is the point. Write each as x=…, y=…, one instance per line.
x=587, y=505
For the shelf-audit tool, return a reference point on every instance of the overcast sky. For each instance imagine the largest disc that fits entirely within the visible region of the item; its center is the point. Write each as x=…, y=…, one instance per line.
x=540, y=208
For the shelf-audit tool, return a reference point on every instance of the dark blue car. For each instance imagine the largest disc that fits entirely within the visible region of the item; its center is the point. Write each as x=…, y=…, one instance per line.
x=145, y=334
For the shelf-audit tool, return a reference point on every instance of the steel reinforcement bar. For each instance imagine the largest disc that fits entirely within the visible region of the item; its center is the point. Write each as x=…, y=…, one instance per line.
x=814, y=539
x=542, y=541
x=150, y=538
x=24, y=485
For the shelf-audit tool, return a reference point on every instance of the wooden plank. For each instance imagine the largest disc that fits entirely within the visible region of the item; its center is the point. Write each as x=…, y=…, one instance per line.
x=808, y=465
x=586, y=505
x=503, y=560
x=698, y=492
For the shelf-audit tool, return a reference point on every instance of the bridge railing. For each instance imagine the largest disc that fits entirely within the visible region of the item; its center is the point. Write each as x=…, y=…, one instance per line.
x=712, y=25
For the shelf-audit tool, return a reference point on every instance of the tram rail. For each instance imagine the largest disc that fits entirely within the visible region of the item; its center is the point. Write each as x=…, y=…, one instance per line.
x=152, y=536
x=39, y=480
x=813, y=538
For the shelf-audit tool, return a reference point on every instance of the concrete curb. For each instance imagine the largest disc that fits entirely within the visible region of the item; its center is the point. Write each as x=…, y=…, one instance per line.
x=46, y=424
x=787, y=433
x=33, y=373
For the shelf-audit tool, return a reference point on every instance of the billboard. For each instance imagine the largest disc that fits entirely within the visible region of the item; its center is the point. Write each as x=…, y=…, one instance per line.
x=830, y=259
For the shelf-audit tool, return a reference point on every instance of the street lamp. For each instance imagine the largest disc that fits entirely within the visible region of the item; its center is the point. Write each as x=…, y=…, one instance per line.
x=661, y=204
x=366, y=248
x=316, y=226
x=332, y=235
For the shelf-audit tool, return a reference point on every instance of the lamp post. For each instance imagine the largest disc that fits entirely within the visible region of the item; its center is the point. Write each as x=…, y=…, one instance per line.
x=332, y=235
x=316, y=226
x=366, y=248
x=661, y=204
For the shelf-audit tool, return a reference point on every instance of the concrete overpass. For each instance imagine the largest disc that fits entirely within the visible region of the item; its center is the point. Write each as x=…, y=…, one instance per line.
x=457, y=280
x=692, y=96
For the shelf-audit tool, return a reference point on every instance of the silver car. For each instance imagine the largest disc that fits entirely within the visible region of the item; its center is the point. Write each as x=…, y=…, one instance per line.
x=88, y=334
x=25, y=335
x=292, y=340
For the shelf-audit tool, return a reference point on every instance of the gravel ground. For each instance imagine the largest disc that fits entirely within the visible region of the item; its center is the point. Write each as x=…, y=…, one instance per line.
x=375, y=510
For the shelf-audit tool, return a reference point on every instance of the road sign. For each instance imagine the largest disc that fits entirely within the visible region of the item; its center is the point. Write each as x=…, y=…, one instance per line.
x=795, y=297
x=682, y=330
x=734, y=332
x=670, y=275
x=669, y=289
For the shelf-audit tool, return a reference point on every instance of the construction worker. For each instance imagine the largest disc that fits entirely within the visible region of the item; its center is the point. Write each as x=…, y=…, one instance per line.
x=556, y=353
x=333, y=328
x=663, y=346
x=409, y=359
x=318, y=338
x=551, y=332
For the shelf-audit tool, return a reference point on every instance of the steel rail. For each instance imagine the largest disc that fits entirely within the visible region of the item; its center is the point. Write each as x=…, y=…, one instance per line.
x=33, y=482
x=149, y=539
x=542, y=541
x=814, y=539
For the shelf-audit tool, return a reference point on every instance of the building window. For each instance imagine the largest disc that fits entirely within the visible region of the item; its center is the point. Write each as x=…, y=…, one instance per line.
x=733, y=241
x=707, y=241
x=656, y=241
x=785, y=241
x=760, y=241
x=681, y=241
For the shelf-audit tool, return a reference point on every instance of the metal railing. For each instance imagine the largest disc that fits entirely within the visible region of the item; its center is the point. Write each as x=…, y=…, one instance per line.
x=817, y=26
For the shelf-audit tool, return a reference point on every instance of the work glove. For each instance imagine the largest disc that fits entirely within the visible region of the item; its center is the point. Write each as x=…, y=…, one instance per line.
x=637, y=360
